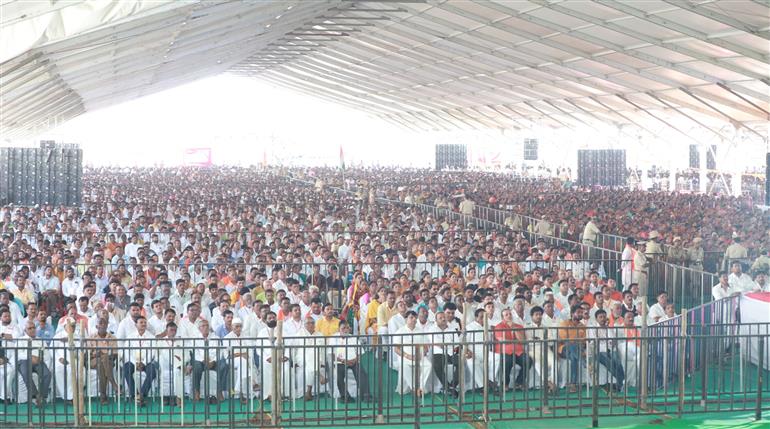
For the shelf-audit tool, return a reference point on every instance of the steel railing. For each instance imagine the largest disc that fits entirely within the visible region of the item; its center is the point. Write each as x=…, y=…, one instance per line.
x=430, y=377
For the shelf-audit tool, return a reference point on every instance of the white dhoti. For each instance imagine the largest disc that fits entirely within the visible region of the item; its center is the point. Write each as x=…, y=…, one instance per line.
x=629, y=358
x=170, y=379
x=406, y=373
x=544, y=360
x=266, y=379
x=474, y=372
x=62, y=375
x=244, y=377
x=7, y=380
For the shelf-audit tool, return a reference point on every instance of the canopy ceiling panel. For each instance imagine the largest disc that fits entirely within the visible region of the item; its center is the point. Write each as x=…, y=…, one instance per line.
x=424, y=65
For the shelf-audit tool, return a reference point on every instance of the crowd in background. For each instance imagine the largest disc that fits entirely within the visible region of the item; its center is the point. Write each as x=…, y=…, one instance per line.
x=189, y=254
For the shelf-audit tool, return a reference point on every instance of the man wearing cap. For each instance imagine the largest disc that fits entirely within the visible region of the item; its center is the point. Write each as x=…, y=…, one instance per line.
x=239, y=348
x=676, y=254
x=653, y=249
x=695, y=254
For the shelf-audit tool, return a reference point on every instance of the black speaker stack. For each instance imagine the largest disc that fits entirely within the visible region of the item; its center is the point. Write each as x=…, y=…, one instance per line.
x=530, y=149
x=605, y=167
x=711, y=162
x=451, y=157
x=694, y=157
x=51, y=174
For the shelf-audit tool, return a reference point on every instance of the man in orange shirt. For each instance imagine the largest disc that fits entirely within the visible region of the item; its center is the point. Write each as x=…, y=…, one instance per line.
x=509, y=344
x=572, y=347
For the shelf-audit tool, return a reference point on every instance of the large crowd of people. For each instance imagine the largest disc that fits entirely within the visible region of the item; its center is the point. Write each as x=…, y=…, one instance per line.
x=181, y=274
x=711, y=223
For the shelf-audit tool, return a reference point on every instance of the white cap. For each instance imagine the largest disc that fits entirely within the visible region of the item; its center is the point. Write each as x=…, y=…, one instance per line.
x=237, y=321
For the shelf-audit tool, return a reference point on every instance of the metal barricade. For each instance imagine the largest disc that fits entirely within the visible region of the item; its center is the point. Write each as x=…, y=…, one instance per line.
x=439, y=375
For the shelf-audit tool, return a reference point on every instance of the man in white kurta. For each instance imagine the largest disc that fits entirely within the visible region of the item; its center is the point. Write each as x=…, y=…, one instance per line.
x=62, y=366
x=309, y=352
x=266, y=341
x=540, y=349
x=409, y=345
x=347, y=356
x=627, y=263
x=141, y=356
x=239, y=353
x=658, y=310
x=474, y=356
x=740, y=281
x=206, y=359
x=292, y=328
x=173, y=359
x=9, y=333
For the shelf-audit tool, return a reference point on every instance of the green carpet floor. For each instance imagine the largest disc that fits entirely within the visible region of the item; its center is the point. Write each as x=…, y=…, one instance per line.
x=707, y=400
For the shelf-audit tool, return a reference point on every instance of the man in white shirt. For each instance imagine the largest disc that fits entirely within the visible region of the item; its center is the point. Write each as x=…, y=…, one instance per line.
x=9, y=329
x=723, y=289
x=8, y=334
x=347, y=356
x=127, y=326
x=13, y=307
x=172, y=357
x=550, y=317
x=474, y=355
x=208, y=358
x=762, y=284
x=133, y=246
x=71, y=286
x=627, y=263
x=33, y=361
x=266, y=340
x=608, y=354
x=190, y=324
x=140, y=356
x=520, y=317
x=310, y=354
x=540, y=350
x=398, y=320
x=590, y=232
x=62, y=365
x=293, y=325
x=739, y=281
x=157, y=322
x=445, y=343
x=658, y=310
x=410, y=346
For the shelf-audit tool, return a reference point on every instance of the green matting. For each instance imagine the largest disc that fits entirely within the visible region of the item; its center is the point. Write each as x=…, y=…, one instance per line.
x=704, y=407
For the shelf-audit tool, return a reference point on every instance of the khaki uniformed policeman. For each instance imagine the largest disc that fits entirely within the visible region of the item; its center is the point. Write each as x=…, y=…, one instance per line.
x=735, y=251
x=695, y=254
x=653, y=248
x=676, y=254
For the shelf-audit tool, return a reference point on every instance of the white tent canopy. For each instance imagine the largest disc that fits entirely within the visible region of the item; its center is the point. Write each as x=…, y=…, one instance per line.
x=424, y=65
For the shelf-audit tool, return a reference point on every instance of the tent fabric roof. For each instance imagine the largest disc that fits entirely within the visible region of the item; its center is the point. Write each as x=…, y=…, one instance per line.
x=424, y=65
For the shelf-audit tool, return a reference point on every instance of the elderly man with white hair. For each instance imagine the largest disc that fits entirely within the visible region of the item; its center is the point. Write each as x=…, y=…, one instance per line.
x=62, y=366
x=239, y=352
x=309, y=353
